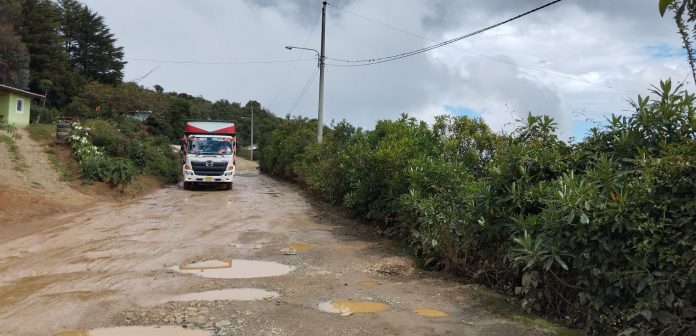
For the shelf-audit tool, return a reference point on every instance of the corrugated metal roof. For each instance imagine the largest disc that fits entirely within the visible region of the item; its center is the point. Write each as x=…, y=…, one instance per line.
x=5, y=88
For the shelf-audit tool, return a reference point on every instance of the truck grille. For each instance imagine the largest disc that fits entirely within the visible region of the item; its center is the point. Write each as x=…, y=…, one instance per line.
x=216, y=169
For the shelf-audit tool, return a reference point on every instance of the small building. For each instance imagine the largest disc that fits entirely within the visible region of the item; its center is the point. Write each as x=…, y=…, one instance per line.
x=15, y=105
x=140, y=115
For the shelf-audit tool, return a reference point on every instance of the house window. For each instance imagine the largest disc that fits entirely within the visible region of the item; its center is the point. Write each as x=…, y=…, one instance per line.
x=20, y=105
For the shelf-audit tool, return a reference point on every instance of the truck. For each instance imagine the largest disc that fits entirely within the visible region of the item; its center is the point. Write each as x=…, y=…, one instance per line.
x=209, y=153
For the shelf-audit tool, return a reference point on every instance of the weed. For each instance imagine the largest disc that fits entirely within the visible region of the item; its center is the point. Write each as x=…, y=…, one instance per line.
x=41, y=132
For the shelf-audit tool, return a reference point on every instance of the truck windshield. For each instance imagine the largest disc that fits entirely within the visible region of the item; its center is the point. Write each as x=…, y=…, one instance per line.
x=209, y=145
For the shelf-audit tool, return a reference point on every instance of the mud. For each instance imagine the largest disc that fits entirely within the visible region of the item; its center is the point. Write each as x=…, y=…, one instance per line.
x=138, y=331
x=368, y=283
x=237, y=269
x=233, y=294
x=350, y=306
x=117, y=265
x=428, y=312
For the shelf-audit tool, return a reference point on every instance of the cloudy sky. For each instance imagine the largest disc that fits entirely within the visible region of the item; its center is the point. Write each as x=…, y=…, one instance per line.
x=578, y=60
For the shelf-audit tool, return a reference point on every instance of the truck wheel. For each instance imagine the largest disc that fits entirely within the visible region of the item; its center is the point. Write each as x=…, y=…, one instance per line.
x=187, y=185
x=228, y=186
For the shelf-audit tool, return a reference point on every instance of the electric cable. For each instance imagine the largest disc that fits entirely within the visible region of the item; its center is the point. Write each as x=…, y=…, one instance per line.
x=546, y=72
x=373, y=61
x=304, y=91
x=217, y=63
x=294, y=66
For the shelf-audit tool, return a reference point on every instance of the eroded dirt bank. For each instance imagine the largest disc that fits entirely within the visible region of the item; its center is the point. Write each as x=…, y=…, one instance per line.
x=116, y=265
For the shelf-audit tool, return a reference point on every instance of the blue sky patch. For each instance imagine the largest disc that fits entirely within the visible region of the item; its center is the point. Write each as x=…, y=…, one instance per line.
x=662, y=50
x=462, y=111
x=580, y=129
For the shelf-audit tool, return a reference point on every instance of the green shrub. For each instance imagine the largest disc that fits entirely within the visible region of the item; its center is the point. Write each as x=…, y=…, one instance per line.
x=95, y=168
x=121, y=172
x=599, y=234
x=44, y=115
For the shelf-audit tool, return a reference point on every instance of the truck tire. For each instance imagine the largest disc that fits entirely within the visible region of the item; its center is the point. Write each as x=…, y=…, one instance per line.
x=228, y=186
x=187, y=185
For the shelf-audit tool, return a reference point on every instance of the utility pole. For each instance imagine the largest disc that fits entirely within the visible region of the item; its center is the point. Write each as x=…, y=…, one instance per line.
x=252, y=133
x=320, y=121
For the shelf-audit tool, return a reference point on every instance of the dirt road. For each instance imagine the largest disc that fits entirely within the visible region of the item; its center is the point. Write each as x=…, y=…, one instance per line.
x=117, y=265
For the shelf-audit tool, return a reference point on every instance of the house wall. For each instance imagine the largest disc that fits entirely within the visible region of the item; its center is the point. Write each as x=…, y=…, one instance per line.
x=4, y=107
x=14, y=117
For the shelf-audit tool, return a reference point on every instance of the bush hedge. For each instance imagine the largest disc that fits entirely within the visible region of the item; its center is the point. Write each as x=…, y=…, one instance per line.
x=600, y=233
x=116, y=152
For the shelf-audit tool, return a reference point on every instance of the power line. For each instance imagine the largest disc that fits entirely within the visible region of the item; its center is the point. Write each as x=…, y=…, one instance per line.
x=294, y=66
x=546, y=72
x=378, y=60
x=217, y=63
x=304, y=91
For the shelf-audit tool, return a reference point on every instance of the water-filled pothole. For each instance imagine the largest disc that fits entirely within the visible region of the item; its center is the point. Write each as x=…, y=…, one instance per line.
x=138, y=331
x=301, y=247
x=427, y=312
x=233, y=294
x=350, y=306
x=234, y=269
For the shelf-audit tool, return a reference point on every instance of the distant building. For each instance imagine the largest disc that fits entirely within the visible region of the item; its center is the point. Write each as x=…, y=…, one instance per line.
x=15, y=105
x=140, y=115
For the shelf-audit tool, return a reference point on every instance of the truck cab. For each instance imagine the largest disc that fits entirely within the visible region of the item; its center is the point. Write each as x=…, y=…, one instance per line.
x=209, y=153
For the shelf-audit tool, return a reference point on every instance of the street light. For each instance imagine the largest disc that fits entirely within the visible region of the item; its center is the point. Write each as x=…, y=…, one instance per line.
x=321, y=56
x=320, y=113
x=293, y=47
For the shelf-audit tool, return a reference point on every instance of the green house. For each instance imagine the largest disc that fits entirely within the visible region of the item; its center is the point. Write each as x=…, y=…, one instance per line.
x=15, y=105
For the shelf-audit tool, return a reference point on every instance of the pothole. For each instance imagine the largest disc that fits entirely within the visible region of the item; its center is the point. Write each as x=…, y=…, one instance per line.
x=233, y=294
x=368, y=283
x=350, y=306
x=234, y=269
x=138, y=331
x=427, y=312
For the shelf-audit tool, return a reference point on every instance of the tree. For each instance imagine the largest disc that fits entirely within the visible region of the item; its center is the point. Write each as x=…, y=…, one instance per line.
x=687, y=33
x=38, y=25
x=14, y=59
x=89, y=43
x=9, y=11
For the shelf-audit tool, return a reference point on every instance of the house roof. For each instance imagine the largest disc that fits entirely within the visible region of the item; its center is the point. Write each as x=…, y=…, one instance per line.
x=5, y=88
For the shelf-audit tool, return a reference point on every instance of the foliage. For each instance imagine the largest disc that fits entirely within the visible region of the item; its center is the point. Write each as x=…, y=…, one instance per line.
x=89, y=43
x=95, y=165
x=684, y=15
x=14, y=59
x=38, y=26
x=599, y=234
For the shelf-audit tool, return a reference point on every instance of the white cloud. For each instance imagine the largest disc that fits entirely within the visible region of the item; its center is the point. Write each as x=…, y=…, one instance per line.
x=587, y=56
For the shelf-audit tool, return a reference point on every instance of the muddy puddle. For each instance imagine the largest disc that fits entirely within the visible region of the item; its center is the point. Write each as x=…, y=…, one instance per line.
x=301, y=247
x=295, y=248
x=138, y=331
x=428, y=312
x=233, y=294
x=351, y=306
x=234, y=269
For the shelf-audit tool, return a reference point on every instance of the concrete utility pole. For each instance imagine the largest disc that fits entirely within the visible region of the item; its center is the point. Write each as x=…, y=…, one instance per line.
x=252, y=133
x=320, y=122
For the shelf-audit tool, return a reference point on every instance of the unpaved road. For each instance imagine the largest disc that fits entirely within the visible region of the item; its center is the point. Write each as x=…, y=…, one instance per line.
x=107, y=265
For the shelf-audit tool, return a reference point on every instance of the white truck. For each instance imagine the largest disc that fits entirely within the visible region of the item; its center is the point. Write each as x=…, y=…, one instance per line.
x=209, y=150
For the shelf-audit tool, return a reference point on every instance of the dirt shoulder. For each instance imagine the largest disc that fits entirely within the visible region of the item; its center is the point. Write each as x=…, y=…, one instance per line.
x=30, y=187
